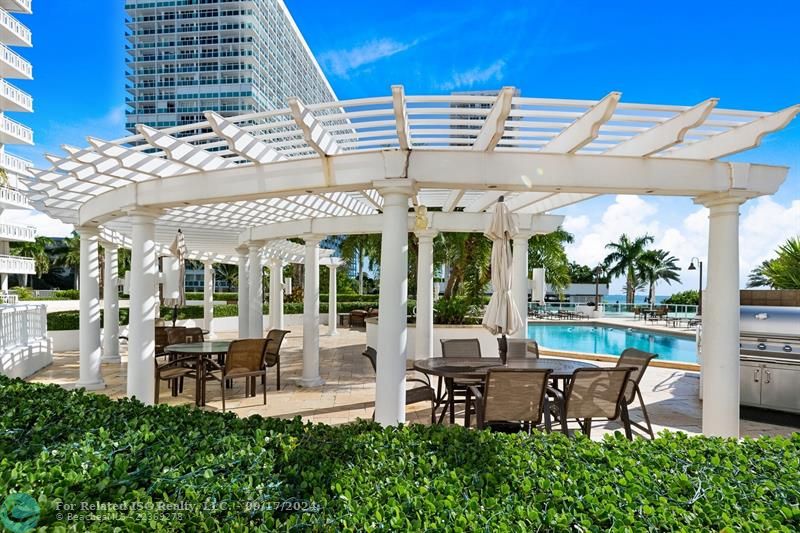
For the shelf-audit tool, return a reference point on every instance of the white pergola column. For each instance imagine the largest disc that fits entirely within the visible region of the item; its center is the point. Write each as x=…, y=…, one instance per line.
x=276, y=294
x=89, y=343
x=390, y=386
x=3, y=282
x=519, y=281
x=111, y=304
x=244, y=294
x=311, y=377
x=256, y=297
x=332, y=314
x=143, y=303
x=720, y=356
x=424, y=326
x=208, y=295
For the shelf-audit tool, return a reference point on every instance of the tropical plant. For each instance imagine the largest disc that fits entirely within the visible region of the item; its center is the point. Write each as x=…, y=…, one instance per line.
x=69, y=254
x=359, y=250
x=625, y=260
x=456, y=310
x=547, y=251
x=227, y=273
x=36, y=250
x=683, y=298
x=782, y=272
x=469, y=256
x=655, y=266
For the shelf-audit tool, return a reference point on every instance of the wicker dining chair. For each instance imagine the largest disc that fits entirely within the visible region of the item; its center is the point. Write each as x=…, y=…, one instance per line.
x=638, y=361
x=272, y=353
x=594, y=393
x=512, y=398
x=421, y=393
x=462, y=348
x=245, y=359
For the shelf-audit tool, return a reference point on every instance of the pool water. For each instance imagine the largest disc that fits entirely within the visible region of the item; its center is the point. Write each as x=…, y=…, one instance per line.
x=610, y=340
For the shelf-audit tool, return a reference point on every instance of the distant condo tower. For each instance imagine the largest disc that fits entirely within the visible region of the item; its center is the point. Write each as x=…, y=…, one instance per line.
x=230, y=56
x=12, y=100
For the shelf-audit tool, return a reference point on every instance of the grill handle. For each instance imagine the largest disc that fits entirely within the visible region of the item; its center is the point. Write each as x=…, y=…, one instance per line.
x=755, y=374
x=768, y=376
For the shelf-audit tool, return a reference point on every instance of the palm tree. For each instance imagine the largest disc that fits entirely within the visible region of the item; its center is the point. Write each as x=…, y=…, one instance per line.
x=468, y=256
x=547, y=251
x=783, y=272
x=358, y=250
x=69, y=254
x=36, y=250
x=227, y=273
x=658, y=265
x=625, y=260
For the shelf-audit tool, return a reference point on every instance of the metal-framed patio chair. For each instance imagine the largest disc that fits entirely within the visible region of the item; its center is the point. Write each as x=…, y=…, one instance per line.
x=512, y=399
x=594, y=393
x=422, y=393
x=272, y=353
x=461, y=348
x=638, y=360
x=245, y=359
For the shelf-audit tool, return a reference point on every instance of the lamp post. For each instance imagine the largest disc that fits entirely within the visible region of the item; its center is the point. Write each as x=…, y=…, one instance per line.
x=699, y=284
x=598, y=270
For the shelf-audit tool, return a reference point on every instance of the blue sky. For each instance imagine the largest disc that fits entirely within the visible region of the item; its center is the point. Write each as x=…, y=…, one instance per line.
x=745, y=53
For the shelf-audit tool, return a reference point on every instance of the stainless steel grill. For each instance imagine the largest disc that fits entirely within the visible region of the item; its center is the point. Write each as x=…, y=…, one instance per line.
x=769, y=346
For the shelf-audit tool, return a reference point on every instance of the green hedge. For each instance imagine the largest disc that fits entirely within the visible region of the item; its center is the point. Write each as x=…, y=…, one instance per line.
x=218, y=296
x=70, y=320
x=226, y=473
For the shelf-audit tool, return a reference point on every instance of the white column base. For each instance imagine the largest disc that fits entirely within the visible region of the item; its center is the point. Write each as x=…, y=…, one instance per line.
x=96, y=385
x=310, y=383
x=114, y=359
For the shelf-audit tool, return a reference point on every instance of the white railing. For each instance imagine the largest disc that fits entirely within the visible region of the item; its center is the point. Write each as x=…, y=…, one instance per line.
x=21, y=325
x=20, y=131
x=14, y=197
x=19, y=97
x=10, y=264
x=618, y=309
x=8, y=297
x=15, y=26
x=14, y=163
x=13, y=232
x=16, y=61
x=21, y=5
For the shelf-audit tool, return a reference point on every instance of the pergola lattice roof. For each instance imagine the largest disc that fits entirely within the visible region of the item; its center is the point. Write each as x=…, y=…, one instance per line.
x=218, y=178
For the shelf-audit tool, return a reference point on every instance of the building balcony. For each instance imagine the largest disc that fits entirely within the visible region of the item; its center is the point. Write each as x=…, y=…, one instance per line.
x=17, y=6
x=13, y=163
x=12, y=31
x=12, y=198
x=13, y=65
x=10, y=264
x=12, y=132
x=13, y=99
x=17, y=233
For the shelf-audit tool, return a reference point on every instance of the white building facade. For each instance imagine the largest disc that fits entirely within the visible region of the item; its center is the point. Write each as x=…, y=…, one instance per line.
x=233, y=57
x=13, y=34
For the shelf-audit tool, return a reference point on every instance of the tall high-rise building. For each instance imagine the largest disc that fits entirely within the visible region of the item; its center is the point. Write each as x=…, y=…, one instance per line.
x=12, y=100
x=230, y=56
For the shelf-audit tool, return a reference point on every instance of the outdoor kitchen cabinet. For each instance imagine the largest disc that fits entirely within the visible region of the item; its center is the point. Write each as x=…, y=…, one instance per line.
x=770, y=385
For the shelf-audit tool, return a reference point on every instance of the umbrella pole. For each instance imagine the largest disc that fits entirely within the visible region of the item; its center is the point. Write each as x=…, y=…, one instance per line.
x=174, y=315
x=503, y=347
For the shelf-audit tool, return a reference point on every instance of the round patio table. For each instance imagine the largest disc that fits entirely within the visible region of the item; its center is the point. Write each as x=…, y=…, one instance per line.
x=465, y=369
x=202, y=350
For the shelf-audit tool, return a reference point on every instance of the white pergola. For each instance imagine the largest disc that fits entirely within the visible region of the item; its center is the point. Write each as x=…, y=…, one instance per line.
x=237, y=185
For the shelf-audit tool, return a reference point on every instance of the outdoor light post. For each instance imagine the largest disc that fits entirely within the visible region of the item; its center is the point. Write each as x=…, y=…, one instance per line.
x=699, y=284
x=598, y=270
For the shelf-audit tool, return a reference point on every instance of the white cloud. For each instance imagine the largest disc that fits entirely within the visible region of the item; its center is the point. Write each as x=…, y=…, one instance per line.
x=764, y=225
x=342, y=62
x=473, y=76
x=45, y=225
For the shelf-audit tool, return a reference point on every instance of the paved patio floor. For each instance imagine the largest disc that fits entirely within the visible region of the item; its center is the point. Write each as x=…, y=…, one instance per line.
x=349, y=391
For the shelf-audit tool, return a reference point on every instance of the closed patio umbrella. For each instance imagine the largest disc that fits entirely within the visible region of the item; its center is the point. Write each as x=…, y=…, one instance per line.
x=178, y=249
x=502, y=315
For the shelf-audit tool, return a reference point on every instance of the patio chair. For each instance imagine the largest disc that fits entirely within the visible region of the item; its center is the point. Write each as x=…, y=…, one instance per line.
x=173, y=372
x=422, y=393
x=357, y=318
x=638, y=361
x=194, y=335
x=532, y=347
x=516, y=348
x=272, y=353
x=245, y=359
x=463, y=348
x=512, y=399
x=594, y=393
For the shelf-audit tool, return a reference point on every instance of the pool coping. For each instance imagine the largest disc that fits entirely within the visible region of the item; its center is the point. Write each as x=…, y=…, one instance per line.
x=675, y=365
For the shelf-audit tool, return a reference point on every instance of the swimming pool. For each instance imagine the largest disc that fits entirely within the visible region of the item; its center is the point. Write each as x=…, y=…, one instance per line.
x=611, y=340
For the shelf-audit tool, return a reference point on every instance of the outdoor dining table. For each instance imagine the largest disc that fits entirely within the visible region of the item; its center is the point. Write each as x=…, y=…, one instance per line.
x=452, y=369
x=203, y=351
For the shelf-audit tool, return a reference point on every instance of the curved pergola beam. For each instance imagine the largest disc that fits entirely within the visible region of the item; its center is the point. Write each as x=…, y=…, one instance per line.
x=585, y=129
x=519, y=172
x=242, y=142
x=182, y=151
x=373, y=224
x=495, y=123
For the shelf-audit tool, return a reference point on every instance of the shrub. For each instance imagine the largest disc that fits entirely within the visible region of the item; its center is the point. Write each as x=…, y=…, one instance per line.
x=455, y=310
x=228, y=473
x=23, y=293
x=218, y=296
x=683, y=298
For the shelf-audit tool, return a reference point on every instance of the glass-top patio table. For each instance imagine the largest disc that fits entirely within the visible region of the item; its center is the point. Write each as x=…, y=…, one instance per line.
x=202, y=350
x=465, y=369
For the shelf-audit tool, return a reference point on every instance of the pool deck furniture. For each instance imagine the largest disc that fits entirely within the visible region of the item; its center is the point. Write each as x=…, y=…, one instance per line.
x=422, y=393
x=460, y=369
x=513, y=397
x=202, y=353
x=244, y=358
x=638, y=361
x=457, y=393
x=272, y=354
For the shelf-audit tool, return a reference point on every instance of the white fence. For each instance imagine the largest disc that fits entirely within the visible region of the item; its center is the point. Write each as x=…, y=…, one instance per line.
x=22, y=325
x=618, y=309
x=7, y=297
x=12, y=264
